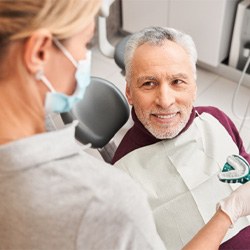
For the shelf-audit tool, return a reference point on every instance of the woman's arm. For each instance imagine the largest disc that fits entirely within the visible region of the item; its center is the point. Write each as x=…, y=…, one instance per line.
x=211, y=235
x=229, y=211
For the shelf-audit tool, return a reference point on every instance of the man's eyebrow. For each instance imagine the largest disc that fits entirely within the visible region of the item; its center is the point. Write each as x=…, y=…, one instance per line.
x=146, y=78
x=179, y=75
x=142, y=79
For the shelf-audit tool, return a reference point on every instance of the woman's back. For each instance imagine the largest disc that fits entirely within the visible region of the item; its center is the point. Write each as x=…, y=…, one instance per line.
x=53, y=196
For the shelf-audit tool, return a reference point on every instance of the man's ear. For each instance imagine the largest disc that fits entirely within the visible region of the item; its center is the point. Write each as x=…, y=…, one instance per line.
x=128, y=93
x=36, y=50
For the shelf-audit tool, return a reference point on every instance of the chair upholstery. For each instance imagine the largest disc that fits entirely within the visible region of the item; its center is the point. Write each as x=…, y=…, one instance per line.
x=101, y=113
x=119, y=53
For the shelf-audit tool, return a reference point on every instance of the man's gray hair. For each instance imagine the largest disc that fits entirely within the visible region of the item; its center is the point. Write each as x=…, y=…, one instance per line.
x=156, y=36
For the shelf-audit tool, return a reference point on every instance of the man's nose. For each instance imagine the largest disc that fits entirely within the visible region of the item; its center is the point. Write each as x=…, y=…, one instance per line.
x=165, y=96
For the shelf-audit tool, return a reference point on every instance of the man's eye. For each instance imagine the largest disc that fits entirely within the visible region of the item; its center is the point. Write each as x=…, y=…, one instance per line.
x=177, y=81
x=149, y=84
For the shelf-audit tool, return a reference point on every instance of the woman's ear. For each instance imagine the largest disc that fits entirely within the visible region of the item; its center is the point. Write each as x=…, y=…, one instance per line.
x=128, y=94
x=36, y=50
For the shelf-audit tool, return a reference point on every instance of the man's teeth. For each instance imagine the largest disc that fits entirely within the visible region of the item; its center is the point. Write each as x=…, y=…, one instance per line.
x=165, y=116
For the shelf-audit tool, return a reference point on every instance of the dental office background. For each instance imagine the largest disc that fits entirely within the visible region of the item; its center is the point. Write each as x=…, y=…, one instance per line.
x=221, y=32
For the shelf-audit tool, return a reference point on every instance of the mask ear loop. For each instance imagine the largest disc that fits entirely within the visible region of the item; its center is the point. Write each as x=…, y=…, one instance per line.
x=65, y=52
x=40, y=76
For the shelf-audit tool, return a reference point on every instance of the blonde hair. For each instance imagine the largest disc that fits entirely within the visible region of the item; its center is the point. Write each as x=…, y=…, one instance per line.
x=63, y=18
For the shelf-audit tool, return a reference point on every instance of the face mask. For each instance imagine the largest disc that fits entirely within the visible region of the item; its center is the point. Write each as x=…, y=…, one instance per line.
x=60, y=102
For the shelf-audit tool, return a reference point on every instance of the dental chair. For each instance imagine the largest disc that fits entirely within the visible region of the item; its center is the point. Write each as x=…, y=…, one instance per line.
x=101, y=113
x=107, y=49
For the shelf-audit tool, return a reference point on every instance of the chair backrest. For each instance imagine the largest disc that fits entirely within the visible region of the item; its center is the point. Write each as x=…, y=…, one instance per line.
x=101, y=113
x=119, y=53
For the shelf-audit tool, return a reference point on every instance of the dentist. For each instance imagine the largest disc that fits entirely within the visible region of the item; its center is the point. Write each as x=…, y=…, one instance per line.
x=52, y=194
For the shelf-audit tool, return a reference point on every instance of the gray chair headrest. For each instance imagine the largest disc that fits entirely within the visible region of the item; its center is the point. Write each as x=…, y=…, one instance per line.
x=101, y=113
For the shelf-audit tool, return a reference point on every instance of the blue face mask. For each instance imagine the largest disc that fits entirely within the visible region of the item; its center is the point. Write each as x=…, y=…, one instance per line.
x=60, y=102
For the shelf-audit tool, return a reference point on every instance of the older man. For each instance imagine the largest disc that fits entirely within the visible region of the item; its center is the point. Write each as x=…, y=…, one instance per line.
x=174, y=150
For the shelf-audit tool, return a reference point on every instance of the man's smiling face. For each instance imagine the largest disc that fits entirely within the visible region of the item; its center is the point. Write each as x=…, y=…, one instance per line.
x=162, y=88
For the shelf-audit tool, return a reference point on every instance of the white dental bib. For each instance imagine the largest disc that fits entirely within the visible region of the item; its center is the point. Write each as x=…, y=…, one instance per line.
x=180, y=179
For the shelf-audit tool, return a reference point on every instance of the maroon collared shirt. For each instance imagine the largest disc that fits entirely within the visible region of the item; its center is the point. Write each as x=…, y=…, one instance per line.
x=137, y=136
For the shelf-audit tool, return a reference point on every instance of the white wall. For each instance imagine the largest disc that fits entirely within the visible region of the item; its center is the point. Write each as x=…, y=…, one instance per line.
x=209, y=22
